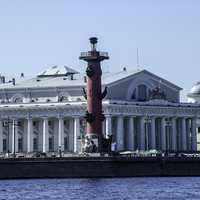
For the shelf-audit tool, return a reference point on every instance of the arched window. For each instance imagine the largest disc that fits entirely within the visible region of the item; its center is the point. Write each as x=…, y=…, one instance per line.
x=142, y=92
x=17, y=99
x=133, y=96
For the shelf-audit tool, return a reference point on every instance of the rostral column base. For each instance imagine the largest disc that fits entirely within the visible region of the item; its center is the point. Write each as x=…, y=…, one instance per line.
x=92, y=143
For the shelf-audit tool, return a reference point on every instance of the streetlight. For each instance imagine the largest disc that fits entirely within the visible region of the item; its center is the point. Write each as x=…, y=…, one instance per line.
x=147, y=121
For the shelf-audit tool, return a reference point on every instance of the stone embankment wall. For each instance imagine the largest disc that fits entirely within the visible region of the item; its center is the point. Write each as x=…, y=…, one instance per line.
x=98, y=167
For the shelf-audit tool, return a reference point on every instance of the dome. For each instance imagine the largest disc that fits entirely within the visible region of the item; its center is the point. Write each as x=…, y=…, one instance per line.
x=195, y=89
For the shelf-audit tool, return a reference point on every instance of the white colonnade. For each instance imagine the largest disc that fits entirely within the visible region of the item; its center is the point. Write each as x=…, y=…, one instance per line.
x=162, y=133
x=37, y=135
x=129, y=132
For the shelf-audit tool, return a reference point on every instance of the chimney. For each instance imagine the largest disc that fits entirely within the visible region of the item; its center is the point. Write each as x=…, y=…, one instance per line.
x=13, y=81
x=22, y=75
x=2, y=79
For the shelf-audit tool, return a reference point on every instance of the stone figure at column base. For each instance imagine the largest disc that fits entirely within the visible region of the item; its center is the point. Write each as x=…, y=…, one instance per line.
x=94, y=144
x=91, y=143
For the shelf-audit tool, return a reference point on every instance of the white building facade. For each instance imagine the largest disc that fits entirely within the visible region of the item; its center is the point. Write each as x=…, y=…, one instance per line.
x=142, y=112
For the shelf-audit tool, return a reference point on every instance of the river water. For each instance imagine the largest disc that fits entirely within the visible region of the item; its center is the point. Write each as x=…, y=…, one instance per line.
x=117, y=188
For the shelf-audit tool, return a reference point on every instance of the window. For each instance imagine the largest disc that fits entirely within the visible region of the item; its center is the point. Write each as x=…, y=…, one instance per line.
x=20, y=145
x=35, y=144
x=19, y=123
x=34, y=123
x=51, y=144
x=4, y=145
x=50, y=123
x=65, y=144
x=134, y=94
x=142, y=93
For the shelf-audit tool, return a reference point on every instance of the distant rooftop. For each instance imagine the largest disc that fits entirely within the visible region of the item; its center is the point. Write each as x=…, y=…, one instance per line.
x=57, y=71
x=60, y=76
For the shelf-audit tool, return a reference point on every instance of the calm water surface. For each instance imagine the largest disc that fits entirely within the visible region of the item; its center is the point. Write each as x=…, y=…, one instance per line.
x=126, y=188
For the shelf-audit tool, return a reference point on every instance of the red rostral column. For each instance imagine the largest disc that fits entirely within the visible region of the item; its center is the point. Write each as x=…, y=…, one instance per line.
x=94, y=95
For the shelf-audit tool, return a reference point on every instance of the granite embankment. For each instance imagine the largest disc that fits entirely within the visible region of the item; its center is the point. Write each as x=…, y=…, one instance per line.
x=94, y=167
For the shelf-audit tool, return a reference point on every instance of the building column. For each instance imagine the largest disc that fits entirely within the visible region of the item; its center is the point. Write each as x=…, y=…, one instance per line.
x=14, y=136
x=108, y=126
x=188, y=138
x=1, y=136
x=174, y=135
x=30, y=136
x=183, y=134
x=9, y=136
x=163, y=134
x=193, y=135
x=153, y=133
x=130, y=136
x=60, y=134
x=76, y=133
x=45, y=136
x=104, y=128
x=120, y=133
x=142, y=133
x=55, y=135
x=71, y=135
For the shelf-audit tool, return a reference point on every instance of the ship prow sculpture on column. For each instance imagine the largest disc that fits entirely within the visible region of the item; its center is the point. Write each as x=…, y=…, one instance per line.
x=94, y=141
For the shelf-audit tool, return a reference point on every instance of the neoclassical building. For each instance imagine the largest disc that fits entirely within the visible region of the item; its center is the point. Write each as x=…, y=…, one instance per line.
x=142, y=111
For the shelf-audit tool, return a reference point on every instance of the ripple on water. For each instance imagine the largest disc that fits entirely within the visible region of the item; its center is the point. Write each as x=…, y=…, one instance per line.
x=113, y=189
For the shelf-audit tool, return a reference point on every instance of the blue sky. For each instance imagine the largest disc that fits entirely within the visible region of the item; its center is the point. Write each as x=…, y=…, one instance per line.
x=36, y=34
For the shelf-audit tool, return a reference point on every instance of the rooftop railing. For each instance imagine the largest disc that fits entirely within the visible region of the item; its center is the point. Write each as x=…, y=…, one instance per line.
x=94, y=53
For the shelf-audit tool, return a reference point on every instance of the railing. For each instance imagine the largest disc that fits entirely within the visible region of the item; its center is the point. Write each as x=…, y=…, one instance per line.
x=94, y=53
x=105, y=54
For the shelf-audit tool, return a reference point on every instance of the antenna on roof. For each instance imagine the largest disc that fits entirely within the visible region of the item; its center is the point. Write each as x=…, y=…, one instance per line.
x=138, y=64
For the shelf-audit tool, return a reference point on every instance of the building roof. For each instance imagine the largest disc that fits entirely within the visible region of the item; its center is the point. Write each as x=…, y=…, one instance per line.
x=111, y=77
x=58, y=77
